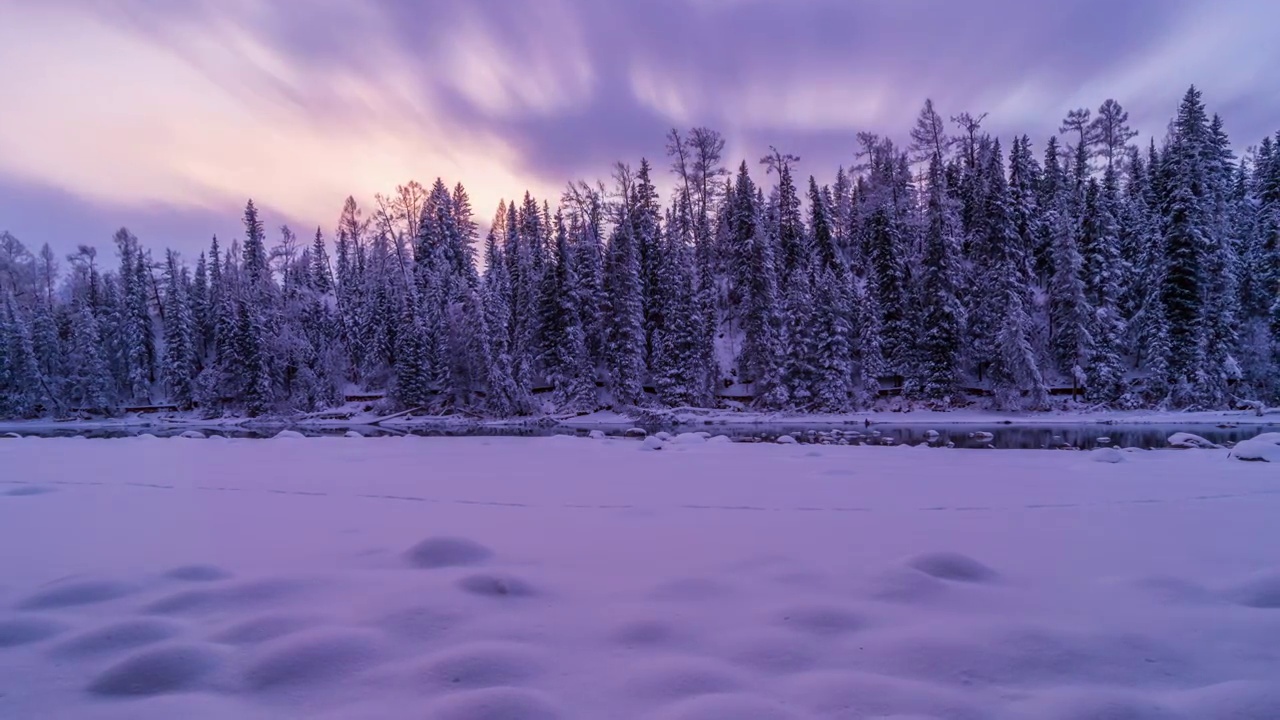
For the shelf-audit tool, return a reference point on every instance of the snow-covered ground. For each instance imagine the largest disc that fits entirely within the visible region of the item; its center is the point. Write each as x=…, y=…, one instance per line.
x=540, y=578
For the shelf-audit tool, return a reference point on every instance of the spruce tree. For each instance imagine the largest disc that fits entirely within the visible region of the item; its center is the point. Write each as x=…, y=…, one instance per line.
x=942, y=315
x=1187, y=222
x=179, y=368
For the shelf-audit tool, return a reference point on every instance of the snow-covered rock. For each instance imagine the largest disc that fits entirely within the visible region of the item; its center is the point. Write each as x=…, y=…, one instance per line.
x=786, y=440
x=1106, y=455
x=688, y=439
x=147, y=436
x=596, y=434
x=1263, y=448
x=982, y=436
x=289, y=435
x=1186, y=441
x=352, y=434
x=651, y=443
x=662, y=435
x=1104, y=440
x=718, y=439
x=192, y=435
x=931, y=435
x=11, y=436
x=635, y=432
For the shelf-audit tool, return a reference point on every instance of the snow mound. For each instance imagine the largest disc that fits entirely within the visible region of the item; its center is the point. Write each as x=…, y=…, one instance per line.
x=1095, y=702
x=1187, y=441
x=419, y=623
x=596, y=435
x=496, y=586
x=502, y=703
x=662, y=435
x=953, y=566
x=776, y=652
x=668, y=679
x=696, y=589
x=158, y=671
x=726, y=706
x=483, y=665
x=229, y=599
x=68, y=594
x=26, y=630
x=842, y=693
x=198, y=573
x=118, y=636
x=289, y=435
x=440, y=552
x=786, y=440
x=310, y=658
x=352, y=434
x=1234, y=700
x=263, y=628
x=689, y=438
x=1260, y=591
x=1263, y=448
x=1024, y=656
x=652, y=443
x=907, y=585
x=821, y=620
x=1106, y=455
x=29, y=490
x=720, y=439
x=11, y=436
x=192, y=435
x=146, y=436
x=646, y=631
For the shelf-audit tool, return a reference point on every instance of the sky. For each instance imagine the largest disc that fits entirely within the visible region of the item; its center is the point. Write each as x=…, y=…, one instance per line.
x=166, y=115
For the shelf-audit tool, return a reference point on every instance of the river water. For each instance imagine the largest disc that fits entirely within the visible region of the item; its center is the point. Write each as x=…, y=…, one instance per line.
x=993, y=436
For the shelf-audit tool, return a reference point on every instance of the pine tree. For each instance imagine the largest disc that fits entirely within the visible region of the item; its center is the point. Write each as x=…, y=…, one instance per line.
x=1101, y=265
x=1015, y=376
x=566, y=361
x=254, y=376
x=88, y=383
x=942, y=314
x=503, y=397
x=624, y=296
x=1187, y=223
x=179, y=368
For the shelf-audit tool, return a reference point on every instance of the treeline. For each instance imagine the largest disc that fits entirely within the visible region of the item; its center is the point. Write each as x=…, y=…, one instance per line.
x=1138, y=276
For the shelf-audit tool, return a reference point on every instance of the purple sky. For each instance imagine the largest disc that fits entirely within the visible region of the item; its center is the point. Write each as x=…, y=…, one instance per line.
x=165, y=116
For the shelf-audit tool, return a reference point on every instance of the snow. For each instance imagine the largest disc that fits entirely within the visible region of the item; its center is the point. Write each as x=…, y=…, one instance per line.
x=543, y=579
x=1261, y=448
x=1185, y=441
x=690, y=438
x=596, y=435
x=1107, y=455
x=653, y=442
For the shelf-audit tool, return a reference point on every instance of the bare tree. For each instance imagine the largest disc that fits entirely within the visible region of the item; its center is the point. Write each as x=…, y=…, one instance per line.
x=1111, y=131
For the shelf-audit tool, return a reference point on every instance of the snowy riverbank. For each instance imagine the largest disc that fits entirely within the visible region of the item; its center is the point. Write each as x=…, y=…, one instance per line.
x=607, y=419
x=583, y=579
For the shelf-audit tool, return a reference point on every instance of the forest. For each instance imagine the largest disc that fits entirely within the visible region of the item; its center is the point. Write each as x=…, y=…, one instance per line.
x=953, y=269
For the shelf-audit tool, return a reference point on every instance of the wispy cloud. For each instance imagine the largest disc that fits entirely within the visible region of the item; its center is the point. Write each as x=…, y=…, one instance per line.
x=145, y=108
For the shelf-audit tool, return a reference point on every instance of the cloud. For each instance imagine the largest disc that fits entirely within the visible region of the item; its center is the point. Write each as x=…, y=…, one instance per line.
x=160, y=108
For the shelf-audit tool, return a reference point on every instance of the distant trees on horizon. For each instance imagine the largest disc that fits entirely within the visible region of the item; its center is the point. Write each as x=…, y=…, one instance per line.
x=958, y=268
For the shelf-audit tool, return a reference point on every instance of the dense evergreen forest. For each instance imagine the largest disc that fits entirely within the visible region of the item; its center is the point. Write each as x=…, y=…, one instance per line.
x=1093, y=272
